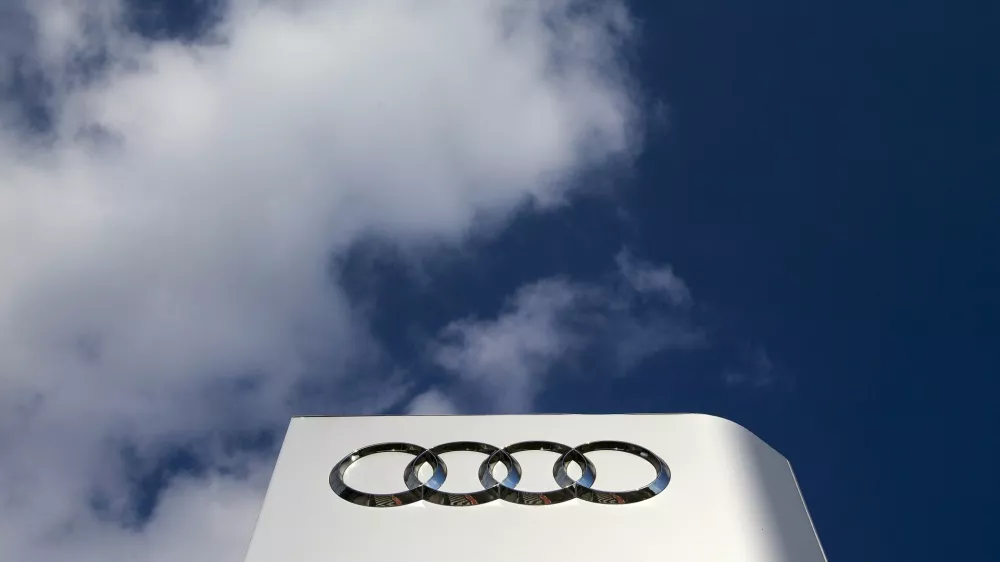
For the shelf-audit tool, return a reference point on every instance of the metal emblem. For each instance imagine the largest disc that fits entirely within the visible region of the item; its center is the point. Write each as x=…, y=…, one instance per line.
x=506, y=490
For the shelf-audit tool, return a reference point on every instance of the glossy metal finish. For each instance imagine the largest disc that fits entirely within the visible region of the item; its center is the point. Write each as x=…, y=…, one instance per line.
x=415, y=489
x=568, y=489
x=659, y=483
x=489, y=493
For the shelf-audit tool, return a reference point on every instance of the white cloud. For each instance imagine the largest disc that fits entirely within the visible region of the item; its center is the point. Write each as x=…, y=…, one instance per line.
x=507, y=356
x=507, y=360
x=199, y=520
x=165, y=247
x=432, y=403
x=647, y=278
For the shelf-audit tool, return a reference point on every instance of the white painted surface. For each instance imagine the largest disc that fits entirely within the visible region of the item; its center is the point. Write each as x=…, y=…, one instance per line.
x=731, y=497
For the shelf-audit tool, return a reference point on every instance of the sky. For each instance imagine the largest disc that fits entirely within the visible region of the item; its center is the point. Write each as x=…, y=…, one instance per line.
x=216, y=215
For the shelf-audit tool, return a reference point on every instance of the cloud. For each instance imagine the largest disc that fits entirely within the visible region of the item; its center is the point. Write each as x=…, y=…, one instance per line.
x=507, y=360
x=506, y=356
x=432, y=403
x=169, y=211
x=646, y=278
x=199, y=519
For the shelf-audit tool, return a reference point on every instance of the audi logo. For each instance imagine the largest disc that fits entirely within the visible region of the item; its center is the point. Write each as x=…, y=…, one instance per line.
x=506, y=490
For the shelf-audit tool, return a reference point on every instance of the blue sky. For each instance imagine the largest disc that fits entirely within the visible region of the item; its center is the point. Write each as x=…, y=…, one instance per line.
x=213, y=217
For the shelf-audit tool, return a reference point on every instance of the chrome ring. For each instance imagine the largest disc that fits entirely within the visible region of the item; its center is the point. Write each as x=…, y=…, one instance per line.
x=415, y=490
x=659, y=483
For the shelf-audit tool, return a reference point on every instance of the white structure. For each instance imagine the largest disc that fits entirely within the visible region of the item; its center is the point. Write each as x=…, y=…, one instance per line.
x=730, y=496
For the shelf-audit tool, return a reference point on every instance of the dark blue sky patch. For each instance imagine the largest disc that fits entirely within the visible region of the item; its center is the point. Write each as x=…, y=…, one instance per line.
x=180, y=20
x=27, y=90
x=828, y=194
x=150, y=477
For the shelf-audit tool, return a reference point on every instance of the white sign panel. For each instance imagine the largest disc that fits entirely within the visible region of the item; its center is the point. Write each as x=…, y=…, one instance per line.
x=681, y=487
